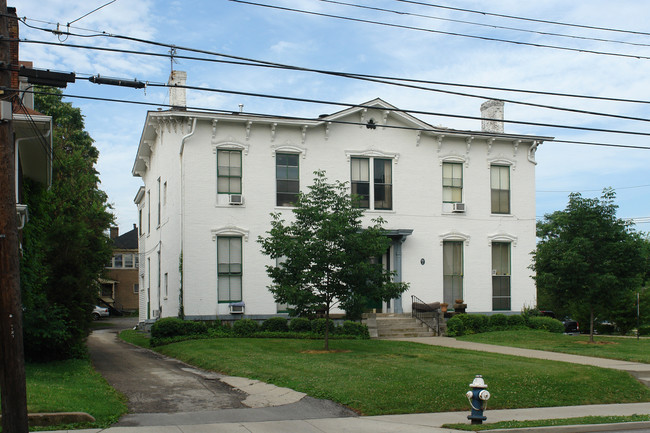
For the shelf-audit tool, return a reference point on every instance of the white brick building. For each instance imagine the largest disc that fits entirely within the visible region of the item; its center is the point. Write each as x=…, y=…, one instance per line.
x=459, y=206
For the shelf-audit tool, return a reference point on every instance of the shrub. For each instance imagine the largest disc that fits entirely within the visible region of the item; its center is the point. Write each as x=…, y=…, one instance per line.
x=318, y=326
x=516, y=322
x=644, y=330
x=605, y=328
x=245, y=327
x=275, y=324
x=354, y=328
x=299, y=324
x=173, y=327
x=455, y=326
x=546, y=324
x=474, y=323
x=498, y=322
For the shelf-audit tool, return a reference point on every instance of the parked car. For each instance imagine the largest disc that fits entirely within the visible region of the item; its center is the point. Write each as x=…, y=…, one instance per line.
x=571, y=326
x=100, y=312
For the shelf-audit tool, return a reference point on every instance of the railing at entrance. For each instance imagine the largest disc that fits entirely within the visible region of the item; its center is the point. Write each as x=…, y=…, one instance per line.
x=426, y=313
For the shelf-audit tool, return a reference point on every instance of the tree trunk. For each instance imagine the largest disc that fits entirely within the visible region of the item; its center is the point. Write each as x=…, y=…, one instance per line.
x=591, y=324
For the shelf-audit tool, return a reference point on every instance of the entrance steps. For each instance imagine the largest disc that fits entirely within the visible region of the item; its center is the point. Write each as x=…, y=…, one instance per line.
x=389, y=325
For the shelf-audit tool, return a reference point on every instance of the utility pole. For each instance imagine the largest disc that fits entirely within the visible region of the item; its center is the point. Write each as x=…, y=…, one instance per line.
x=12, y=362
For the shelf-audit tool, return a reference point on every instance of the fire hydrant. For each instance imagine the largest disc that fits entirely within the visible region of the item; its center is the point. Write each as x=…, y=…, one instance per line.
x=478, y=398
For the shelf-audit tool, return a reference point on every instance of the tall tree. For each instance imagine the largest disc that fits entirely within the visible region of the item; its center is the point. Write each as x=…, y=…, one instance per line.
x=587, y=259
x=66, y=246
x=324, y=255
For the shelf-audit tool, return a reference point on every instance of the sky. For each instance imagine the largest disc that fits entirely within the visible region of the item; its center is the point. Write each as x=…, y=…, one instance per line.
x=407, y=39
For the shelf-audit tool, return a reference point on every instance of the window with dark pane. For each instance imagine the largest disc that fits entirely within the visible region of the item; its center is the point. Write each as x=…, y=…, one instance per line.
x=229, y=269
x=452, y=270
x=501, y=276
x=287, y=178
x=383, y=184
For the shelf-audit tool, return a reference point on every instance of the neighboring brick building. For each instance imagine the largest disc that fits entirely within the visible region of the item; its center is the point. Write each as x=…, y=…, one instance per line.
x=120, y=287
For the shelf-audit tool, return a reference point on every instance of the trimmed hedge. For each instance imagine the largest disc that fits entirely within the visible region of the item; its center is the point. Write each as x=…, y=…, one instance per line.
x=245, y=327
x=299, y=324
x=275, y=324
x=466, y=324
x=172, y=327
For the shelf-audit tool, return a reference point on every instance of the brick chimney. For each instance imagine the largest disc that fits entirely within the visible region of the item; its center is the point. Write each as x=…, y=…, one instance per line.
x=115, y=232
x=491, y=113
x=177, y=95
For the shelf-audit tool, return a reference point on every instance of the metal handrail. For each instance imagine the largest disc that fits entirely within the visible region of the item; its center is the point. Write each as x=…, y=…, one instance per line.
x=419, y=314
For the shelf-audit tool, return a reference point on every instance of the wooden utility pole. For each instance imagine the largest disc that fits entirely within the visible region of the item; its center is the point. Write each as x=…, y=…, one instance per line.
x=12, y=362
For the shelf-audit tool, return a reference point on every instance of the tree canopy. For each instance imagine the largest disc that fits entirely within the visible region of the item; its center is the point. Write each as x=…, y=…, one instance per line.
x=65, y=241
x=587, y=260
x=324, y=257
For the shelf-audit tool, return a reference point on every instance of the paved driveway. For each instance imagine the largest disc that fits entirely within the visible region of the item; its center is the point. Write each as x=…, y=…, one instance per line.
x=165, y=391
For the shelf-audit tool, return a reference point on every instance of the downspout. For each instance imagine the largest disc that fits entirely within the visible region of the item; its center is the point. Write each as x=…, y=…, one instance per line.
x=181, y=307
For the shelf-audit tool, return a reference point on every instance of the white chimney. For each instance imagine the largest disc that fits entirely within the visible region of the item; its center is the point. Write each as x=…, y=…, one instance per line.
x=177, y=94
x=491, y=113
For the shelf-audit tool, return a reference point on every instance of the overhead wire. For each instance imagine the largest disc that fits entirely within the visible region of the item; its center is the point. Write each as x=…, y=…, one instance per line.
x=385, y=80
x=422, y=29
x=514, y=17
x=474, y=23
x=435, y=130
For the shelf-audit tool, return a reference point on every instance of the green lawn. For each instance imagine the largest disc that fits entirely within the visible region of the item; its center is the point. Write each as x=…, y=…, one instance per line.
x=623, y=348
x=387, y=377
x=72, y=386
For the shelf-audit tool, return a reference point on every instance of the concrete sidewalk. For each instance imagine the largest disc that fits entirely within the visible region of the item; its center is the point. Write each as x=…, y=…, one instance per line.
x=413, y=423
x=640, y=371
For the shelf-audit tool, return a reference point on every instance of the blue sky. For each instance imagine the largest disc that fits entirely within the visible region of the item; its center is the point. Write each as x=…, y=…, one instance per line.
x=341, y=45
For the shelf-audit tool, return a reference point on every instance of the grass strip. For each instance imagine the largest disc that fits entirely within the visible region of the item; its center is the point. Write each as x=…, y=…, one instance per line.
x=72, y=386
x=549, y=422
x=378, y=377
x=621, y=348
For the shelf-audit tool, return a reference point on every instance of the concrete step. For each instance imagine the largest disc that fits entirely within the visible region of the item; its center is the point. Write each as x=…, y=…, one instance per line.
x=401, y=326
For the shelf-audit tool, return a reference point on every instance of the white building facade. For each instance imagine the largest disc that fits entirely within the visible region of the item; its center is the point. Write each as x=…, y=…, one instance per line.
x=459, y=206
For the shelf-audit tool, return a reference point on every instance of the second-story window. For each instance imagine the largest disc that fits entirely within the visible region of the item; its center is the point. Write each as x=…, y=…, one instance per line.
x=500, y=188
x=287, y=178
x=452, y=182
x=378, y=194
x=229, y=172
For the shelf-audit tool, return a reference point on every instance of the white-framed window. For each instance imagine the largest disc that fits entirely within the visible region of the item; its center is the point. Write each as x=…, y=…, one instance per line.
x=229, y=171
x=452, y=270
x=148, y=212
x=166, y=284
x=229, y=268
x=159, y=202
x=452, y=182
x=372, y=182
x=501, y=293
x=287, y=178
x=500, y=188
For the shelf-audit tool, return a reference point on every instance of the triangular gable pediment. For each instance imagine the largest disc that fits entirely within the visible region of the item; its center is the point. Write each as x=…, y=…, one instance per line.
x=378, y=110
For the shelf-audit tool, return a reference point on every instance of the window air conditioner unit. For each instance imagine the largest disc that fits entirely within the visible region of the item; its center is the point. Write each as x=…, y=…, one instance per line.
x=236, y=199
x=237, y=308
x=458, y=207
x=156, y=314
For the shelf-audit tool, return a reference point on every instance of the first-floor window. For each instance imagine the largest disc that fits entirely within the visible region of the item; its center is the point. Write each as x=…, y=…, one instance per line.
x=166, y=284
x=136, y=288
x=229, y=269
x=452, y=269
x=501, y=276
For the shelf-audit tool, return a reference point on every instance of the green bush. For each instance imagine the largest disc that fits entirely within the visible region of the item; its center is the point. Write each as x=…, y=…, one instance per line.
x=354, y=328
x=173, y=327
x=546, y=324
x=516, y=322
x=299, y=324
x=498, y=322
x=318, y=326
x=644, y=330
x=275, y=324
x=474, y=323
x=456, y=326
x=245, y=327
x=605, y=328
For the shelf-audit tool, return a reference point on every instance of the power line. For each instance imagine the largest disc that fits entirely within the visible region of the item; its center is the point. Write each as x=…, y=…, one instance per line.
x=243, y=61
x=595, y=190
x=474, y=23
x=400, y=26
x=442, y=131
x=607, y=29
x=362, y=77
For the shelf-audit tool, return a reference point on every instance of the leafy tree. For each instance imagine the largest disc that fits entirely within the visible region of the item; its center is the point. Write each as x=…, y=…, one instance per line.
x=587, y=259
x=65, y=244
x=324, y=255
